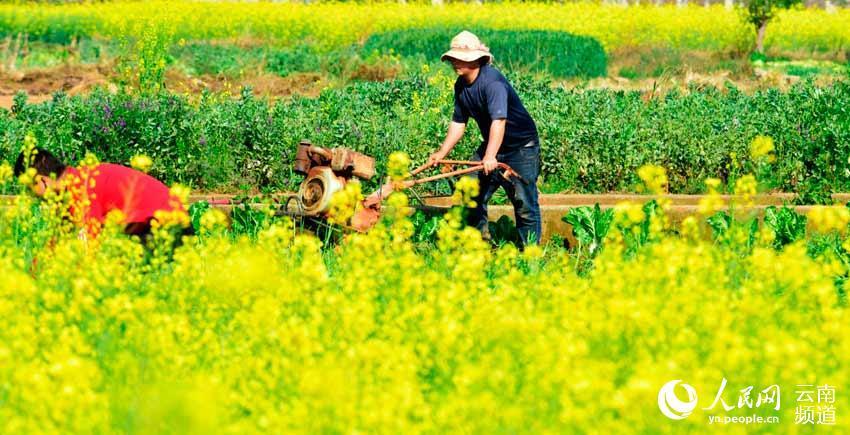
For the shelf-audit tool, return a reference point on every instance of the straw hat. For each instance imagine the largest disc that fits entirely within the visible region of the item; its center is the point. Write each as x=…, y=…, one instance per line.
x=468, y=48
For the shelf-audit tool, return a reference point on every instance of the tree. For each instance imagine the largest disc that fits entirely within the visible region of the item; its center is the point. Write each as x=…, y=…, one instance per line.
x=760, y=12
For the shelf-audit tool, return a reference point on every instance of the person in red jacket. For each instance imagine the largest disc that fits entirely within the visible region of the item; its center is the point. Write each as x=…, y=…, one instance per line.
x=99, y=190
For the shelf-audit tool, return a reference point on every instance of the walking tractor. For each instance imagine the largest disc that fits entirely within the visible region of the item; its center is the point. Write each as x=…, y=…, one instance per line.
x=327, y=171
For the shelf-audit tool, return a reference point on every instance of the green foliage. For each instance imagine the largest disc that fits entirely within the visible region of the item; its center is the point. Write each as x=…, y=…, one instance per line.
x=503, y=231
x=720, y=223
x=592, y=140
x=229, y=59
x=205, y=58
x=651, y=210
x=560, y=54
x=145, y=57
x=831, y=247
x=25, y=55
x=787, y=225
x=425, y=227
x=759, y=12
x=19, y=101
x=246, y=219
x=196, y=210
x=590, y=226
x=300, y=58
x=739, y=235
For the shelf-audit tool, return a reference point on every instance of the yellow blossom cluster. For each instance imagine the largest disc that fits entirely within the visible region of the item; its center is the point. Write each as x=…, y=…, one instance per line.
x=333, y=24
x=398, y=166
x=180, y=193
x=345, y=203
x=629, y=213
x=213, y=219
x=762, y=148
x=141, y=162
x=466, y=190
x=170, y=217
x=90, y=160
x=746, y=187
x=827, y=218
x=27, y=178
x=712, y=202
x=654, y=178
x=280, y=334
x=6, y=173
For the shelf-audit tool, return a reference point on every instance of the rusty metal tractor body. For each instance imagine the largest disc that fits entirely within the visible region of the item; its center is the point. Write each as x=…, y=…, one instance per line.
x=326, y=171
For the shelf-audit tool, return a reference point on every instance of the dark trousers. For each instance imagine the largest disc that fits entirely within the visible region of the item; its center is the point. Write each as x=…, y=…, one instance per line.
x=525, y=161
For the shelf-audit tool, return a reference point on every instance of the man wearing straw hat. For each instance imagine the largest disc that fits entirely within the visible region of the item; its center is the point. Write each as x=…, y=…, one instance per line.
x=508, y=131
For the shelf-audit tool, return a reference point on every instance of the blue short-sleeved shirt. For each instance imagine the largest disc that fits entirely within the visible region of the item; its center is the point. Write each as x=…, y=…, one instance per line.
x=491, y=97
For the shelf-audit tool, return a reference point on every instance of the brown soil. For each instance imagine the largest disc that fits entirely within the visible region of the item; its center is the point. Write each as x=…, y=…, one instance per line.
x=40, y=84
x=267, y=85
x=6, y=101
x=650, y=60
x=686, y=69
x=663, y=69
x=376, y=72
x=658, y=86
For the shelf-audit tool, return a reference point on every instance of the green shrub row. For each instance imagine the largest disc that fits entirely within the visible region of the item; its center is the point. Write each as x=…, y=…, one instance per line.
x=560, y=54
x=592, y=140
x=227, y=59
x=556, y=54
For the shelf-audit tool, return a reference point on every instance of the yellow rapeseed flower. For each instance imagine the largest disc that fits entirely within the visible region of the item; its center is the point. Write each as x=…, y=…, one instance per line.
x=690, y=228
x=746, y=187
x=828, y=218
x=712, y=184
x=712, y=202
x=762, y=148
x=90, y=160
x=654, y=178
x=398, y=166
x=466, y=190
x=532, y=252
x=27, y=178
x=180, y=193
x=213, y=219
x=629, y=213
x=141, y=162
x=345, y=203
x=6, y=173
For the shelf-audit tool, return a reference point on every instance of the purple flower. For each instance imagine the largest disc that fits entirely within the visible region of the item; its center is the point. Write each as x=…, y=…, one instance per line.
x=202, y=141
x=121, y=123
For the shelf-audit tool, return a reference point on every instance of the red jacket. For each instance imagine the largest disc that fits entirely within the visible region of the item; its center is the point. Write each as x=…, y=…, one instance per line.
x=115, y=187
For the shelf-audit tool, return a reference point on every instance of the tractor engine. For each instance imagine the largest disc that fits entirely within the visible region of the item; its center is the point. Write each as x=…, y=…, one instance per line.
x=326, y=171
